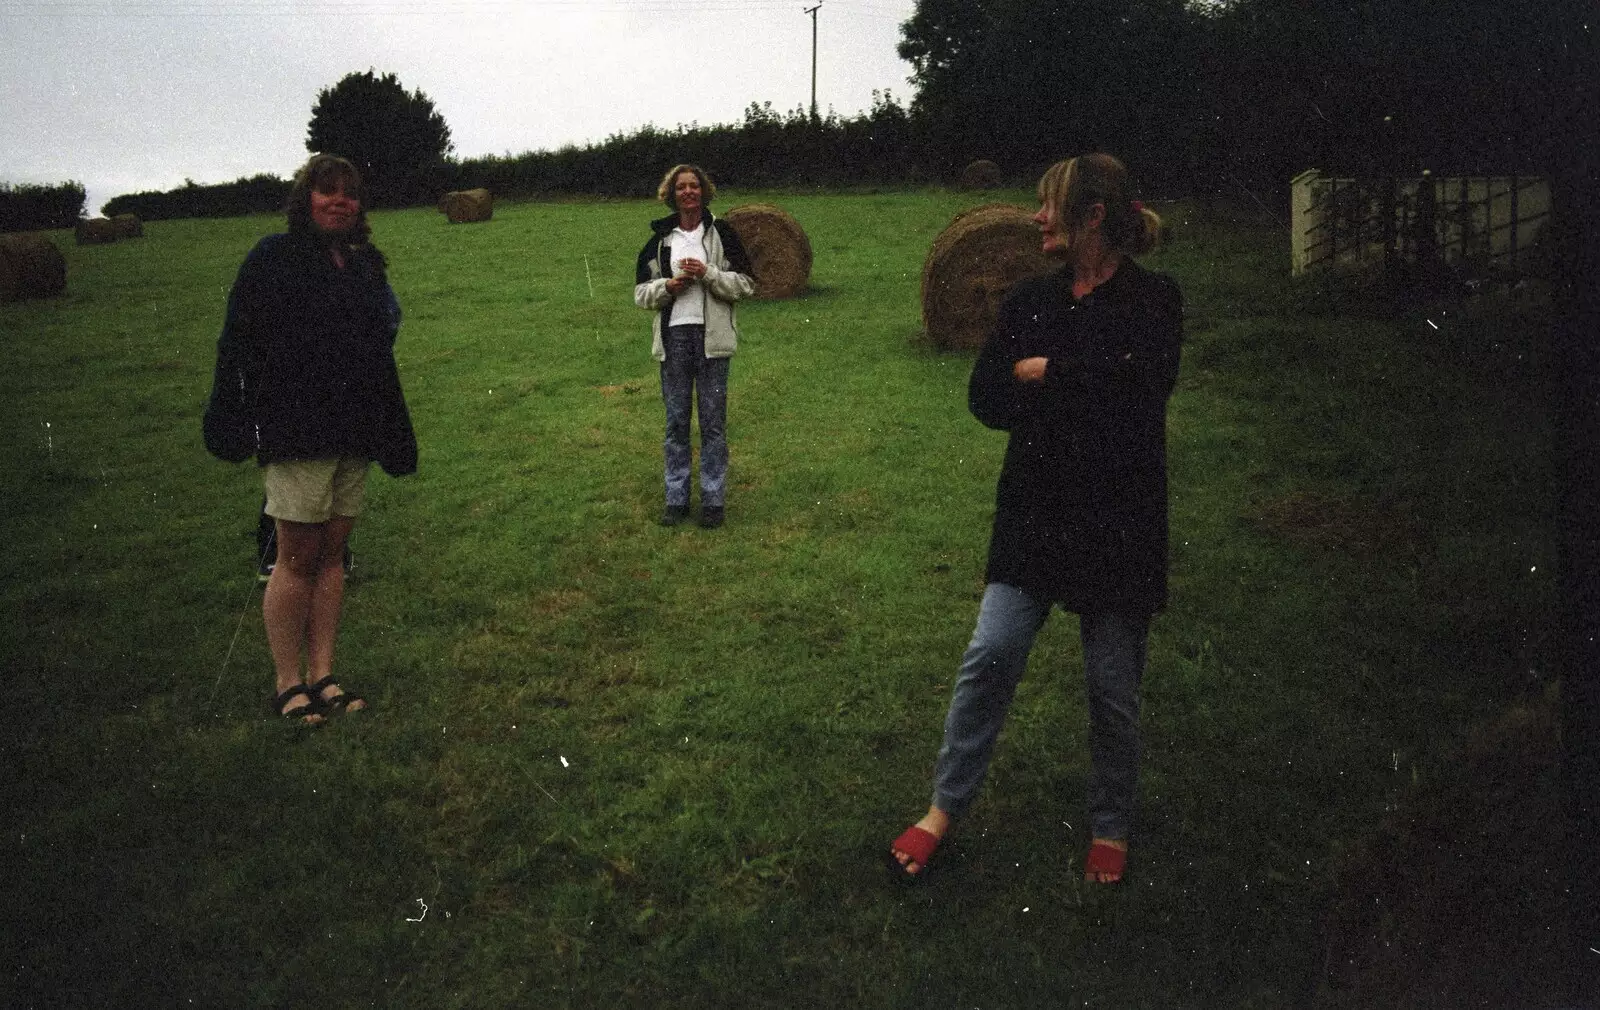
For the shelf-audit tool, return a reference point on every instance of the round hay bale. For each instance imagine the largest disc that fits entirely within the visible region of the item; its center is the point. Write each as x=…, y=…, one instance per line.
x=30, y=267
x=128, y=226
x=780, y=252
x=981, y=174
x=96, y=231
x=971, y=265
x=464, y=206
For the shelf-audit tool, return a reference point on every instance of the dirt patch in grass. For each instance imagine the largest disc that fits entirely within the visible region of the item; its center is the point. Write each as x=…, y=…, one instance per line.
x=561, y=603
x=1360, y=526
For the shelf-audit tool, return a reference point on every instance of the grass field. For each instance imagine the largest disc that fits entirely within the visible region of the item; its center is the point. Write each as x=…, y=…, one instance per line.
x=610, y=764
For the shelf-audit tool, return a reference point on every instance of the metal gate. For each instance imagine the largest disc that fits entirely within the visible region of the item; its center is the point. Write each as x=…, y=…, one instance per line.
x=1482, y=223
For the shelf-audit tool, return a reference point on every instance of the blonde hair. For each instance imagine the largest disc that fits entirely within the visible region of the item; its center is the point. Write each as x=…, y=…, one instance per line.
x=1072, y=186
x=665, y=192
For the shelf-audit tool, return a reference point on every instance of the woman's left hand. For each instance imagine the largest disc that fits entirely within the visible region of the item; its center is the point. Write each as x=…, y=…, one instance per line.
x=692, y=268
x=1030, y=369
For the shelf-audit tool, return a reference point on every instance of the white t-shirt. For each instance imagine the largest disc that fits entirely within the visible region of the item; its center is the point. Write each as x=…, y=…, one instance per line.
x=689, y=309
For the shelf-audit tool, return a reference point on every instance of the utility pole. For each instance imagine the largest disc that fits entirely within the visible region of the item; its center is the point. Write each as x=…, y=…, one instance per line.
x=813, y=12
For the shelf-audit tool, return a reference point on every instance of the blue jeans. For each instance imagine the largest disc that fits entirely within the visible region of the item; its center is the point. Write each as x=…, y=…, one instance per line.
x=686, y=372
x=1113, y=658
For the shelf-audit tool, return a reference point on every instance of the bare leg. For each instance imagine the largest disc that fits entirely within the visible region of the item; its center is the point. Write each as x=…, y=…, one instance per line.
x=327, y=599
x=287, y=601
x=327, y=602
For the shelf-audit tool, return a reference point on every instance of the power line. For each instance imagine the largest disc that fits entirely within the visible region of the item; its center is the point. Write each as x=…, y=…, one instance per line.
x=103, y=10
x=338, y=6
x=888, y=12
x=347, y=8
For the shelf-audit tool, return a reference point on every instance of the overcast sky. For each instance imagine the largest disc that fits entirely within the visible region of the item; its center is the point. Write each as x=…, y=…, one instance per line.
x=130, y=95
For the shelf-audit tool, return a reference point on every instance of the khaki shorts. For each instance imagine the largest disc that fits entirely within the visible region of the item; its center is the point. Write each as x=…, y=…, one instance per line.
x=315, y=490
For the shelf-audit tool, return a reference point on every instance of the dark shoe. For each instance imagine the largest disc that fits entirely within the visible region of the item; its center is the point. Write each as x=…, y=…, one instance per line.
x=309, y=714
x=672, y=515
x=337, y=704
x=710, y=516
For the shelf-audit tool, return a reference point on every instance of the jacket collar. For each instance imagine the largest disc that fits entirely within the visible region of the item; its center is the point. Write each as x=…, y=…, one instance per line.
x=663, y=225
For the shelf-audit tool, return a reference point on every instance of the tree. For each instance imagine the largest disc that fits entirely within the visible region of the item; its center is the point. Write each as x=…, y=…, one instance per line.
x=1202, y=94
x=1372, y=87
x=397, y=139
x=1023, y=82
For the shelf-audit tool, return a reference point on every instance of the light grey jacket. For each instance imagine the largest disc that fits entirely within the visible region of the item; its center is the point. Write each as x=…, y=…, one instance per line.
x=728, y=278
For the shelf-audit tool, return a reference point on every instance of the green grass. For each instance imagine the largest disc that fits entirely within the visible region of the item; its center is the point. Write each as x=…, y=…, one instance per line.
x=624, y=765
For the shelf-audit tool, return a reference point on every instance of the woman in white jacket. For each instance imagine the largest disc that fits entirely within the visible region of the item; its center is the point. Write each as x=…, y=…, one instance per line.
x=690, y=273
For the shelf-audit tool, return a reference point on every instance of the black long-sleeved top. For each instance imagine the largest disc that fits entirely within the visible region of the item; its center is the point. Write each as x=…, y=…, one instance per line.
x=1081, y=507
x=305, y=363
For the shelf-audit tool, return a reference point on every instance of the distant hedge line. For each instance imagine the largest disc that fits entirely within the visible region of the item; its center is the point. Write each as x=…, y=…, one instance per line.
x=258, y=194
x=767, y=149
x=40, y=208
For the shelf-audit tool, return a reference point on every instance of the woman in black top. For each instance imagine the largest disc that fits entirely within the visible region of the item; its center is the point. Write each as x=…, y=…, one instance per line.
x=1078, y=370
x=306, y=382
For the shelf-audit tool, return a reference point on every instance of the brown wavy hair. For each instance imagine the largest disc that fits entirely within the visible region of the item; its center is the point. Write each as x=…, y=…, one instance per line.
x=322, y=173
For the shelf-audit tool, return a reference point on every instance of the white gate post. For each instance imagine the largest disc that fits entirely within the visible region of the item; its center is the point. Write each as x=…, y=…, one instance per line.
x=1305, y=217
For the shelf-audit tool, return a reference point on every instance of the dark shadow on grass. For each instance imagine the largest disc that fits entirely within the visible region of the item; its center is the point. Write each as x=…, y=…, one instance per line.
x=1460, y=897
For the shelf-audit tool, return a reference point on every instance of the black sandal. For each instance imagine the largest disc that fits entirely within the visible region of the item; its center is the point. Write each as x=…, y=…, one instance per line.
x=339, y=703
x=309, y=714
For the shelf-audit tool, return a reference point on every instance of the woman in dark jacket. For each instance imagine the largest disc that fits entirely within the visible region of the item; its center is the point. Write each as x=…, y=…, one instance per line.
x=306, y=383
x=1078, y=369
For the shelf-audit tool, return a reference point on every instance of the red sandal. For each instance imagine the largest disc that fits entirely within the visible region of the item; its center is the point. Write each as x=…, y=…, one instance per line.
x=919, y=844
x=1104, y=860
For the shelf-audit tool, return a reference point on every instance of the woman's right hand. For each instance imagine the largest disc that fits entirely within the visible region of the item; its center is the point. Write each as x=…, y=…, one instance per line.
x=1030, y=369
